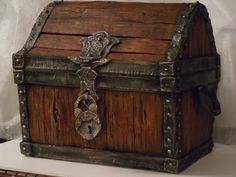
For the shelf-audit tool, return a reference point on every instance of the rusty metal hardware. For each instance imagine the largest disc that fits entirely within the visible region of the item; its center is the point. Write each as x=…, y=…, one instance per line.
x=134, y=160
x=94, y=53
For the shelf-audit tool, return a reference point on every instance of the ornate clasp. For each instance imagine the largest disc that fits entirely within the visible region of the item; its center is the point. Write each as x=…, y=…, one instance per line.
x=94, y=52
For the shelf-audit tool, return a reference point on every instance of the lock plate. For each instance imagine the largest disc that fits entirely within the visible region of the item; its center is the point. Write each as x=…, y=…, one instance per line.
x=94, y=52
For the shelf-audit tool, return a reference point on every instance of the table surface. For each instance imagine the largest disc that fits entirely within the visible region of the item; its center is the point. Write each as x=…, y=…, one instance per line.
x=220, y=163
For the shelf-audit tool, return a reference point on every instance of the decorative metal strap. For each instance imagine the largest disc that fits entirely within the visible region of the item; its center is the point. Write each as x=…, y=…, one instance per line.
x=94, y=52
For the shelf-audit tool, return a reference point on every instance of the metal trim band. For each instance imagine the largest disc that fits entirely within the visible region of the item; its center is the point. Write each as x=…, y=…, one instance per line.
x=19, y=73
x=128, y=68
x=132, y=76
x=18, y=59
x=174, y=75
x=123, y=83
x=184, y=24
x=123, y=159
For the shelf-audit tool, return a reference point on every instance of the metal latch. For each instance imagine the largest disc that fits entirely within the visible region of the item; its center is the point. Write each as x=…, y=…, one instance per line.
x=94, y=52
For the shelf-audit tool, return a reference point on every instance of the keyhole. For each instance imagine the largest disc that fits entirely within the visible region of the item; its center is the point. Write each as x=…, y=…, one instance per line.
x=90, y=129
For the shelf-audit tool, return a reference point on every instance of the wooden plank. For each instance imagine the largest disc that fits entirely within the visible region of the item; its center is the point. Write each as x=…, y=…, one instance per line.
x=127, y=45
x=120, y=19
x=54, y=122
x=148, y=123
x=150, y=14
x=119, y=117
x=112, y=56
x=197, y=122
x=119, y=5
x=36, y=100
x=82, y=26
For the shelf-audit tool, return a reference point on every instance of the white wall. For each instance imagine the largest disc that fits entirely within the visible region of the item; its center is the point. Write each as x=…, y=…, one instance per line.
x=18, y=16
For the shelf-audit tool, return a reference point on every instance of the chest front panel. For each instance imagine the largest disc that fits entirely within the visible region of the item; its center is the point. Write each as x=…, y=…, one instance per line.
x=127, y=119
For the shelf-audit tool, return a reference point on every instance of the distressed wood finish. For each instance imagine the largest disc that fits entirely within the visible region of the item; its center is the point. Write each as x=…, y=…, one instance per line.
x=128, y=45
x=113, y=56
x=201, y=37
x=196, y=122
x=140, y=30
x=121, y=10
x=127, y=120
x=119, y=26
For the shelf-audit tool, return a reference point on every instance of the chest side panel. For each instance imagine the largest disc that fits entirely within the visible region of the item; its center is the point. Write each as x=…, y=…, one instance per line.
x=131, y=121
x=197, y=120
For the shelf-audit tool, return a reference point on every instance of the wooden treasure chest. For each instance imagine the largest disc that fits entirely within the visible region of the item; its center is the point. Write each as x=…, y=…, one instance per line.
x=117, y=83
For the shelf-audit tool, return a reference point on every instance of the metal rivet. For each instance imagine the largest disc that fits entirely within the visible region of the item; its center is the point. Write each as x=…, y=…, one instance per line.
x=179, y=31
x=168, y=140
x=183, y=16
x=23, y=148
x=168, y=128
x=179, y=125
x=169, y=114
x=170, y=164
x=18, y=75
x=173, y=45
x=24, y=137
x=165, y=69
x=180, y=150
x=179, y=137
x=24, y=126
x=20, y=91
x=167, y=100
x=22, y=102
x=17, y=60
x=169, y=151
x=22, y=114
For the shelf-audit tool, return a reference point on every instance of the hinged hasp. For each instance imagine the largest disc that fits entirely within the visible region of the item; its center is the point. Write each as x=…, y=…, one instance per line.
x=94, y=53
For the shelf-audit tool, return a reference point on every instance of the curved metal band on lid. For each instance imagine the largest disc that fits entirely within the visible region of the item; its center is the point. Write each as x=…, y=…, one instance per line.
x=18, y=62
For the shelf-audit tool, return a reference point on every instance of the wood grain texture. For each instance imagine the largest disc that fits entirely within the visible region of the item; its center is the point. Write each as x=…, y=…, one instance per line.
x=131, y=121
x=127, y=45
x=198, y=42
x=113, y=56
x=160, y=14
x=141, y=12
x=197, y=121
x=119, y=5
x=117, y=18
x=124, y=29
x=145, y=29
